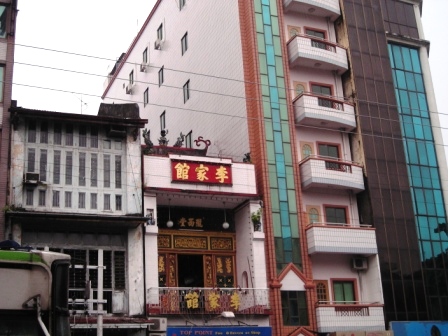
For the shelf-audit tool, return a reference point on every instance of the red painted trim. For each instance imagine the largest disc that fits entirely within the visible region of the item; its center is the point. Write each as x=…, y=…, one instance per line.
x=324, y=206
x=331, y=86
x=202, y=192
x=316, y=30
x=329, y=144
x=355, y=287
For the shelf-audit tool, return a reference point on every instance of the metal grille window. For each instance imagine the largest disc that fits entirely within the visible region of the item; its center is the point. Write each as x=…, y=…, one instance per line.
x=118, y=202
x=29, y=197
x=106, y=171
x=68, y=167
x=69, y=135
x=43, y=165
x=82, y=169
x=94, y=170
x=57, y=167
x=106, y=201
x=44, y=132
x=32, y=132
x=82, y=200
x=68, y=199
x=31, y=160
x=57, y=137
x=93, y=201
x=82, y=136
x=117, y=171
x=55, y=202
x=42, y=196
x=94, y=137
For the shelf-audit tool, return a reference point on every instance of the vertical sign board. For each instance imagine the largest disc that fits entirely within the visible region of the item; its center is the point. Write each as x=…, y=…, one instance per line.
x=427, y=328
x=219, y=331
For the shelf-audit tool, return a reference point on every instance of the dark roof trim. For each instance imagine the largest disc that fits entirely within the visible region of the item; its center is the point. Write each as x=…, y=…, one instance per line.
x=72, y=117
x=77, y=216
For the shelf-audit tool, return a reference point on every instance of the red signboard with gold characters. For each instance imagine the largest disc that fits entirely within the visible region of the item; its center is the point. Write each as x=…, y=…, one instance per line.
x=201, y=172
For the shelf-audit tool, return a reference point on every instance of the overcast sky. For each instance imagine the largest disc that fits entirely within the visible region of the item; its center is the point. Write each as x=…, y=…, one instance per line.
x=64, y=53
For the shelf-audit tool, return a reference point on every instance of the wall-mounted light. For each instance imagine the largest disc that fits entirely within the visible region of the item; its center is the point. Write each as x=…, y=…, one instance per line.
x=150, y=216
x=170, y=222
x=225, y=225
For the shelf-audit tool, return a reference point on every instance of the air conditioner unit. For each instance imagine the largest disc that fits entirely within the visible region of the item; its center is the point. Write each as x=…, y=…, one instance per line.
x=158, y=44
x=359, y=263
x=130, y=88
x=157, y=324
x=144, y=67
x=31, y=178
x=157, y=334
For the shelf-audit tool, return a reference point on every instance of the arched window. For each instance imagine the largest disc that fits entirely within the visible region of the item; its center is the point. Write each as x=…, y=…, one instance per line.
x=306, y=151
x=299, y=89
x=293, y=31
x=321, y=290
x=313, y=215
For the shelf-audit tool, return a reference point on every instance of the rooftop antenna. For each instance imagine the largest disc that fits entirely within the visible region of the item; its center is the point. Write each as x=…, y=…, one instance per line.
x=83, y=103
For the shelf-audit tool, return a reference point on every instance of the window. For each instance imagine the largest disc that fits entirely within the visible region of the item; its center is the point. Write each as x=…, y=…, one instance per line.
x=106, y=171
x=44, y=132
x=118, y=202
x=2, y=76
x=43, y=165
x=320, y=35
x=321, y=290
x=145, y=97
x=93, y=201
x=324, y=91
x=82, y=200
x=57, y=134
x=307, y=150
x=162, y=121
x=145, y=56
x=106, y=201
x=107, y=144
x=184, y=43
x=3, y=13
x=188, y=140
x=181, y=4
x=344, y=291
x=31, y=160
x=68, y=167
x=82, y=136
x=69, y=135
x=94, y=137
x=32, y=132
x=131, y=77
x=299, y=88
x=331, y=151
x=94, y=170
x=29, y=197
x=56, y=198
x=160, y=32
x=57, y=167
x=313, y=215
x=335, y=215
x=118, y=145
x=42, y=195
x=294, y=308
x=82, y=169
x=161, y=76
x=117, y=171
x=68, y=199
x=293, y=31
x=186, y=91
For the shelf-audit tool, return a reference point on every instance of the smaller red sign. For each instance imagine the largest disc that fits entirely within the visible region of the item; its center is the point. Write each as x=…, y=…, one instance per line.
x=201, y=172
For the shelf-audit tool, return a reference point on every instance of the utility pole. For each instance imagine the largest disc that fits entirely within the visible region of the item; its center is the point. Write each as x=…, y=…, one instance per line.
x=99, y=326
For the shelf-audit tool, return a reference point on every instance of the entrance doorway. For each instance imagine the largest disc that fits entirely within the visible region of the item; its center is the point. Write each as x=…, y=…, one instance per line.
x=190, y=270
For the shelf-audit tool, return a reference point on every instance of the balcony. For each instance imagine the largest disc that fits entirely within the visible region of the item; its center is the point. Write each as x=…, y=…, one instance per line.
x=322, y=8
x=185, y=301
x=334, y=316
x=315, y=53
x=325, y=172
x=341, y=238
x=320, y=111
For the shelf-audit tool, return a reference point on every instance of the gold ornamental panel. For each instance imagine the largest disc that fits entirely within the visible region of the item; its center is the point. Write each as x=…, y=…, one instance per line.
x=164, y=241
x=190, y=242
x=222, y=244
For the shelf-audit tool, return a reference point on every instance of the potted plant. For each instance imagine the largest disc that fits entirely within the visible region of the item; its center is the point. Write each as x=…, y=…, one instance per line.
x=256, y=219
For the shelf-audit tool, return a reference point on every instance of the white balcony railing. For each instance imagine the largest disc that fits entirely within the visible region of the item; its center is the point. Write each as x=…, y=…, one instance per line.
x=324, y=8
x=341, y=238
x=325, y=172
x=183, y=300
x=352, y=316
x=316, y=53
x=314, y=110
